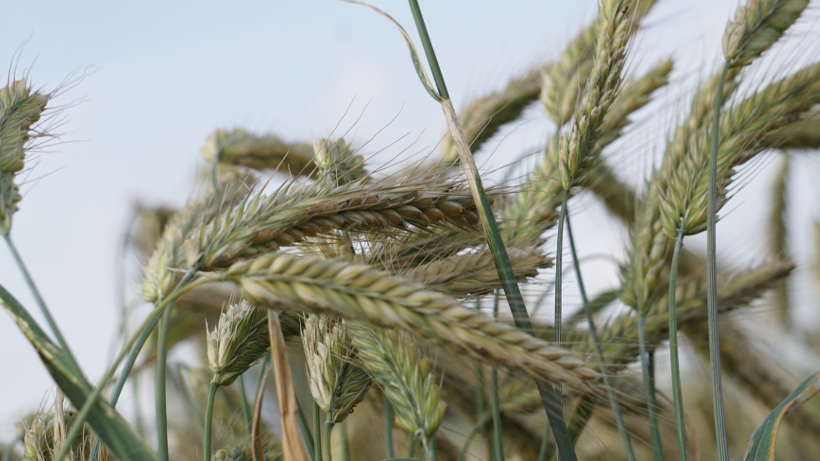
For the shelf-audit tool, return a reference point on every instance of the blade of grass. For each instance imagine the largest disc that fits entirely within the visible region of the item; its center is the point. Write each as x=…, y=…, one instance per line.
x=648, y=372
x=593, y=331
x=104, y=420
x=246, y=410
x=256, y=428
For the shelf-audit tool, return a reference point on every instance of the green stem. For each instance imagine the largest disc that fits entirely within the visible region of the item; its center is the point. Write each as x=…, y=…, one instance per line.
x=711, y=277
x=677, y=392
x=411, y=445
x=41, y=302
x=388, y=426
x=160, y=396
x=246, y=409
x=498, y=444
x=132, y=348
x=345, y=441
x=328, y=430
x=427, y=449
x=304, y=429
x=550, y=399
x=545, y=442
x=138, y=422
x=559, y=277
x=209, y=414
x=317, y=433
x=648, y=370
x=599, y=352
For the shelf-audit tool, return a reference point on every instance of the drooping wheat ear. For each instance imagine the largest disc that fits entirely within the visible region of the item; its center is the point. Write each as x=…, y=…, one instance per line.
x=474, y=274
x=20, y=109
x=577, y=150
x=373, y=297
x=262, y=224
x=43, y=437
x=396, y=255
x=620, y=336
x=397, y=367
x=159, y=274
x=268, y=152
x=237, y=342
x=231, y=454
x=757, y=26
x=483, y=117
x=533, y=210
x=742, y=129
x=338, y=163
x=337, y=380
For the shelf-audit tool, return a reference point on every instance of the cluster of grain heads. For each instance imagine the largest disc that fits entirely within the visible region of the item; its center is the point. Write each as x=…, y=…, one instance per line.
x=20, y=109
x=45, y=434
x=231, y=454
x=756, y=27
x=240, y=148
x=262, y=224
x=337, y=381
x=394, y=361
x=370, y=296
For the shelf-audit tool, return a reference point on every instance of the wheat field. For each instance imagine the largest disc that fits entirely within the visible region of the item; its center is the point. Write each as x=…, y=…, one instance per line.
x=433, y=306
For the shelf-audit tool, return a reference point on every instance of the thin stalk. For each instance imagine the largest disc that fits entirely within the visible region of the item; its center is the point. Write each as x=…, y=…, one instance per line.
x=427, y=448
x=498, y=444
x=599, y=352
x=549, y=398
x=41, y=302
x=159, y=393
x=677, y=392
x=209, y=414
x=132, y=348
x=711, y=277
x=559, y=278
x=246, y=410
x=328, y=430
x=388, y=426
x=545, y=442
x=304, y=429
x=648, y=371
x=411, y=446
x=345, y=441
x=138, y=422
x=317, y=433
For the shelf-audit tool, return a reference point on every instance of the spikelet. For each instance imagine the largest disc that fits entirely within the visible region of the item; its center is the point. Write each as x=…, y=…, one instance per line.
x=757, y=26
x=337, y=381
x=237, y=342
x=43, y=436
x=563, y=82
x=373, y=297
x=269, y=152
x=804, y=134
x=576, y=151
x=262, y=224
x=742, y=129
x=20, y=109
x=395, y=362
x=338, y=163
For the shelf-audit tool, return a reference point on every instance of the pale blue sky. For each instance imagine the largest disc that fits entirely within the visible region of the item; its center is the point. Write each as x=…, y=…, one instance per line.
x=165, y=74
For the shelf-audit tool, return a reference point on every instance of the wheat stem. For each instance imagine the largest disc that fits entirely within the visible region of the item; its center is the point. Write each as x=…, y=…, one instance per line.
x=246, y=410
x=498, y=444
x=345, y=442
x=648, y=372
x=160, y=398
x=551, y=401
x=559, y=280
x=545, y=443
x=677, y=392
x=388, y=426
x=209, y=414
x=328, y=430
x=711, y=277
x=317, y=433
x=593, y=332
x=40, y=301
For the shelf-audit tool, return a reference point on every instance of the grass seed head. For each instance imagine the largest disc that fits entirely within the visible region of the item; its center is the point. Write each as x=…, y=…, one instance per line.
x=757, y=26
x=268, y=152
x=338, y=163
x=239, y=340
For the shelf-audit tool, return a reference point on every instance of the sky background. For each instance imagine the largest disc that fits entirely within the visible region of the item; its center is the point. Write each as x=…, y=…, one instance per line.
x=160, y=76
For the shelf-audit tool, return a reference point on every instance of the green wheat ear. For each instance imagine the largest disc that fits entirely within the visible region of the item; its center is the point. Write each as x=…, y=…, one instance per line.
x=237, y=342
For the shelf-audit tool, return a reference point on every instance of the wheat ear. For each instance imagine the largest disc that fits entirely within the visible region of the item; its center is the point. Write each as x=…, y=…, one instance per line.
x=240, y=148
